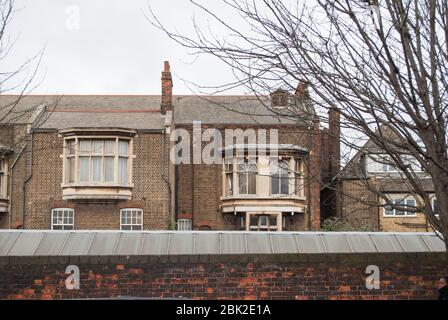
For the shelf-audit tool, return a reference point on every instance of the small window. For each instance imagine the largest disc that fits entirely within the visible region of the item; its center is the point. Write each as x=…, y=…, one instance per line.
x=184, y=224
x=382, y=163
x=391, y=210
x=263, y=222
x=62, y=219
x=131, y=219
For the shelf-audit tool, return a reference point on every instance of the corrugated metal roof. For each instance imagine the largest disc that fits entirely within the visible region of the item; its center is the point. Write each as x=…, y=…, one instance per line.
x=126, y=243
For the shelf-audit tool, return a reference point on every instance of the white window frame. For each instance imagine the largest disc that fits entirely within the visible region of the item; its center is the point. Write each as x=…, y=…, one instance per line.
x=376, y=163
x=116, y=155
x=63, y=224
x=131, y=210
x=184, y=224
x=396, y=199
x=259, y=226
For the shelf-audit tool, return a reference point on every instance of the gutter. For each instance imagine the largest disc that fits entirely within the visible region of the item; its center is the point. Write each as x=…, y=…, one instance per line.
x=166, y=179
x=308, y=169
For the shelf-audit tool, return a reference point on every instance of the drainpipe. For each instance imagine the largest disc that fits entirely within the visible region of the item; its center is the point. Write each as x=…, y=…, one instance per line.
x=166, y=179
x=308, y=165
x=30, y=175
x=10, y=183
x=40, y=110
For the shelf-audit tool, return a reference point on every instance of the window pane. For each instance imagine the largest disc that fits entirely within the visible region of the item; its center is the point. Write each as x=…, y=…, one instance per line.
x=389, y=211
x=109, y=169
x=97, y=146
x=252, y=180
x=284, y=186
x=436, y=207
x=71, y=169
x=263, y=220
x=83, y=169
x=71, y=146
x=229, y=184
x=109, y=147
x=123, y=148
x=275, y=184
x=84, y=146
x=273, y=220
x=242, y=181
x=96, y=169
x=123, y=170
x=397, y=211
x=253, y=220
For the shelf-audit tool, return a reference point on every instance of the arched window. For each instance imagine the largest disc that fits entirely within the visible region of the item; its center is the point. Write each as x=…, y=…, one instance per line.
x=247, y=177
x=280, y=178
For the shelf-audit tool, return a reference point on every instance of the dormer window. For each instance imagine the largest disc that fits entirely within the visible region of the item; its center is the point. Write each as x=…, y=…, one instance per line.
x=280, y=98
x=383, y=163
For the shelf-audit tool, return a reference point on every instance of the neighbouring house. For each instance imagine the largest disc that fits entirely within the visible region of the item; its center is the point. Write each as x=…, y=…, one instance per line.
x=373, y=189
x=103, y=162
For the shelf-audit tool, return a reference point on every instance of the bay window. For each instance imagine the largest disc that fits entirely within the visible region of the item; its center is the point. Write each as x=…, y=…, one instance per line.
x=93, y=161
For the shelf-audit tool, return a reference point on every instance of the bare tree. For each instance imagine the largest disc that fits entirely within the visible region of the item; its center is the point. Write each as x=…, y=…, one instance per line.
x=383, y=63
x=18, y=79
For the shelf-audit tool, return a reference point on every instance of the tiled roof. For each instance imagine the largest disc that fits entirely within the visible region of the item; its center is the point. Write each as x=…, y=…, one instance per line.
x=237, y=110
x=142, y=111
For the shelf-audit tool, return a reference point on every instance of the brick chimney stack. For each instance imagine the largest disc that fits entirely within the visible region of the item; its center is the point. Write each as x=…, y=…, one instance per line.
x=302, y=91
x=167, y=89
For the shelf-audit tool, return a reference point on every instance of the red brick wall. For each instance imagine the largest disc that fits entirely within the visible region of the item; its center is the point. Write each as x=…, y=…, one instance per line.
x=403, y=276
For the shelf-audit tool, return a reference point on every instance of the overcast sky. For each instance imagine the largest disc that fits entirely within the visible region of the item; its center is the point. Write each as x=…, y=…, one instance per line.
x=106, y=46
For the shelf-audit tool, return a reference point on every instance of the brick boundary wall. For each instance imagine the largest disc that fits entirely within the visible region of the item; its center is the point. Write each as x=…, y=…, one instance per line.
x=277, y=276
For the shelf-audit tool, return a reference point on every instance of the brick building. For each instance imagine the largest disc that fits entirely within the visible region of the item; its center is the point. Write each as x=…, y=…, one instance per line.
x=103, y=162
x=372, y=187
